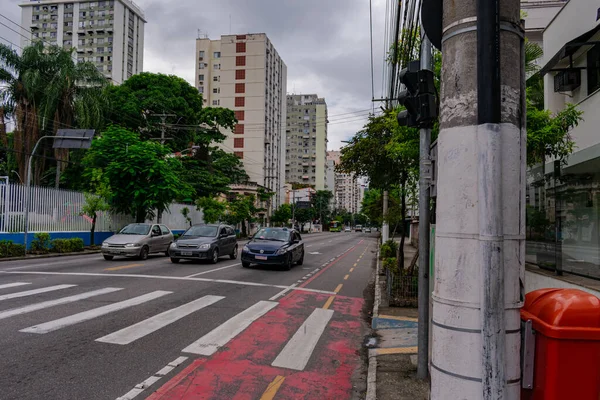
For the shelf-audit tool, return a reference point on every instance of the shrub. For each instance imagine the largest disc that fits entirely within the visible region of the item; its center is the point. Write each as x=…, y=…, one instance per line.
x=67, y=245
x=391, y=264
x=41, y=243
x=10, y=249
x=389, y=249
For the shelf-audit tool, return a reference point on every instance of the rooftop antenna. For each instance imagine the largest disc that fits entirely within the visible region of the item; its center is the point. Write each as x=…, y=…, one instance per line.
x=230, y=24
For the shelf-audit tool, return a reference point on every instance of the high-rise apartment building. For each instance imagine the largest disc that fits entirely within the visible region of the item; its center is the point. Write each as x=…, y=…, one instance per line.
x=306, y=131
x=109, y=33
x=246, y=74
x=347, y=189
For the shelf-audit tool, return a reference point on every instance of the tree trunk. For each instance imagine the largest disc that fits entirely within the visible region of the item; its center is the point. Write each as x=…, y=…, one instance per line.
x=244, y=230
x=93, y=230
x=140, y=215
x=3, y=135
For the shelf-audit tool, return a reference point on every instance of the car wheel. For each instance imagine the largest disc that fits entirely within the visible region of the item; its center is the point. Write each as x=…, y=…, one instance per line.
x=288, y=263
x=234, y=255
x=215, y=256
x=109, y=258
x=246, y=264
x=301, y=260
x=175, y=260
x=144, y=253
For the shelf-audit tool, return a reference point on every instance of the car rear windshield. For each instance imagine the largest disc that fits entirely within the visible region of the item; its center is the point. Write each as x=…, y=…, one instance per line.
x=135, y=229
x=202, y=231
x=272, y=234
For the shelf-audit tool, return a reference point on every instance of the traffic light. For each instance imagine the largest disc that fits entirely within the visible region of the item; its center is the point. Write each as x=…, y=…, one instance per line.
x=419, y=98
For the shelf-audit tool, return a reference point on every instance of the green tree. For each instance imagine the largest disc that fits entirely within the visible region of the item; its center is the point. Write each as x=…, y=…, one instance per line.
x=97, y=200
x=186, y=214
x=212, y=209
x=304, y=215
x=321, y=202
x=43, y=90
x=144, y=180
x=241, y=211
x=282, y=214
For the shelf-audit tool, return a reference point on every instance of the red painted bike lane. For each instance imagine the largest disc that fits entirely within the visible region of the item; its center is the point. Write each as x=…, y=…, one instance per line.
x=242, y=369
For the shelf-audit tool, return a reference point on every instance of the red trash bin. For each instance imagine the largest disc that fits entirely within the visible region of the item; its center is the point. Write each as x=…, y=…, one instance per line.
x=566, y=363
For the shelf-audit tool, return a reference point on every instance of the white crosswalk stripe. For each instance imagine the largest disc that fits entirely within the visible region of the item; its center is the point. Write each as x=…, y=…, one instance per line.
x=52, y=303
x=297, y=351
x=9, y=285
x=34, y=291
x=94, y=313
x=141, y=329
x=211, y=342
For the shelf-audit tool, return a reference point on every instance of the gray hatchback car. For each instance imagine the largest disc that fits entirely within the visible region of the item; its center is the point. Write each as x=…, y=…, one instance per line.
x=138, y=240
x=205, y=242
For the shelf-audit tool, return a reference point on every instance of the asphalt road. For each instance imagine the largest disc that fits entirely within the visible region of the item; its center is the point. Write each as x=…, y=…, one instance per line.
x=84, y=328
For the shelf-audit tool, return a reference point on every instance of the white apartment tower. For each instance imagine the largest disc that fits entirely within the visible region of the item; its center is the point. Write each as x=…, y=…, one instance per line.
x=347, y=189
x=246, y=74
x=108, y=33
x=306, y=131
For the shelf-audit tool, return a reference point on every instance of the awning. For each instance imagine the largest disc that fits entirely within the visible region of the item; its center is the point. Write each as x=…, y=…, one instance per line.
x=571, y=48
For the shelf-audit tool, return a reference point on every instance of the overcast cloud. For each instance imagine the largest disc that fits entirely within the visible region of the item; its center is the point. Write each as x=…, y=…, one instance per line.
x=324, y=43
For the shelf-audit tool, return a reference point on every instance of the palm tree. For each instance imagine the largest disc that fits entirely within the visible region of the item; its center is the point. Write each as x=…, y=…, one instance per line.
x=44, y=90
x=535, y=83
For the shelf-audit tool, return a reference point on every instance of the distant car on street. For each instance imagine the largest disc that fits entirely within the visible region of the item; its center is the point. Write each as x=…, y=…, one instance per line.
x=274, y=246
x=367, y=230
x=348, y=229
x=205, y=242
x=138, y=240
x=358, y=228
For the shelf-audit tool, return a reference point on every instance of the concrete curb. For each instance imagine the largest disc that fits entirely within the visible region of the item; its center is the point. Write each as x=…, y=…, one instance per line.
x=372, y=371
x=51, y=255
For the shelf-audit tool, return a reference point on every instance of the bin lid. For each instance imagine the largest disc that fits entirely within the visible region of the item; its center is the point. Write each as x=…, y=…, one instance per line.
x=563, y=313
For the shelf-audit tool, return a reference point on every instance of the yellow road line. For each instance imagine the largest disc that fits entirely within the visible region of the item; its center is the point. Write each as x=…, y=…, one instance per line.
x=346, y=277
x=397, y=350
x=124, y=267
x=328, y=302
x=356, y=265
x=338, y=288
x=399, y=318
x=351, y=269
x=272, y=389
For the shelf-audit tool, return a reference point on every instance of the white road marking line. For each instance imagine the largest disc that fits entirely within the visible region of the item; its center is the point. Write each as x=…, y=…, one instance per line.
x=210, y=343
x=9, y=285
x=34, y=291
x=298, y=350
x=173, y=278
x=94, y=313
x=213, y=270
x=178, y=361
x=283, y=292
x=165, y=370
x=52, y=303
x=152, y=324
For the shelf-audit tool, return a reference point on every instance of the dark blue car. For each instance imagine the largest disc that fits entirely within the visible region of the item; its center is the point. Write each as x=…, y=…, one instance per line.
x=274, y=246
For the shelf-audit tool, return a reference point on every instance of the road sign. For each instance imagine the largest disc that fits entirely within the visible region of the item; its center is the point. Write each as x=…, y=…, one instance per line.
x=303, y=204
x=74, y=138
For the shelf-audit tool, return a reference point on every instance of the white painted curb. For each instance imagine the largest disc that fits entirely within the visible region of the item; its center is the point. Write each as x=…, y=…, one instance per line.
x=372, y=371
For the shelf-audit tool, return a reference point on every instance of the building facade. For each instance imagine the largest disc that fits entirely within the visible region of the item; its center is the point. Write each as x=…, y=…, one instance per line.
x=246, y=74
x=563, y=199
x=109, y=33
x=537, y=15
x=306, y=148
x=347, y=190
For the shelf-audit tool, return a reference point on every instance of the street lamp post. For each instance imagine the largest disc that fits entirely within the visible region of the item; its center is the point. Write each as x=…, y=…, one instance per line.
x=65, y=141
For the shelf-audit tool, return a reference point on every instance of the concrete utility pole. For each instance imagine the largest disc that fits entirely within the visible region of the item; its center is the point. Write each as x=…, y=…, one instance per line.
x=480, y=230
x=385, y=228
x=424, y=200
x=163, y=130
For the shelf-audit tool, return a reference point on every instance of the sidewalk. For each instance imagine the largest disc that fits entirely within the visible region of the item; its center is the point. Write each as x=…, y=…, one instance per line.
x=392, y=359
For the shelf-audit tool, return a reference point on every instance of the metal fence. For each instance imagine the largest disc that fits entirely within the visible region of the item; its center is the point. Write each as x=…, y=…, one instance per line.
x=58, y=210
x=402, y=290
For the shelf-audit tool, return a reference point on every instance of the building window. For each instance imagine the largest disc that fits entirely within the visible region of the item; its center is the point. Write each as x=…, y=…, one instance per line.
x=201, y=66
x=217, y=54
x=216, y=79
x=239, y=154
x=217, y=66
x=240, y=101
x=201, y=77
x=240, y=47
x=239, y=115
x=240, y=61
x=216, y=102
x=240, y=88
x=201, y=53
x=239, y=129
x=238, y=143
x=593, y=69
x=240, y=74
x=200, y=89
x=240, y=37
x=216, y=90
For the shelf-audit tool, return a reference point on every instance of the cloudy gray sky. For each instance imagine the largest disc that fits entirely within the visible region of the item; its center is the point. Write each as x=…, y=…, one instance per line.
x=325, y=44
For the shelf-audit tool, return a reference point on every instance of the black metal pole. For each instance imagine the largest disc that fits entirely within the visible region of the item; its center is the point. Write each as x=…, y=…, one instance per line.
x=488, y=62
